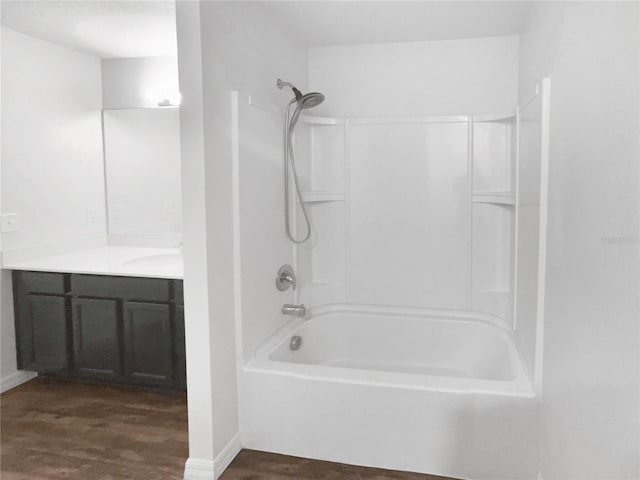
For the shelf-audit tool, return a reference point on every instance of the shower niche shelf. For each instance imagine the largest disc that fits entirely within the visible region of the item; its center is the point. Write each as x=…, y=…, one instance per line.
x=495, y=198
x=319, y=196
x=493, y=215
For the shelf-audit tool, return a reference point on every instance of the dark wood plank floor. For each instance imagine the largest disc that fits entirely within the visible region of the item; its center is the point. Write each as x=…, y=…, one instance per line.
x=252, y=465
x=53, y=430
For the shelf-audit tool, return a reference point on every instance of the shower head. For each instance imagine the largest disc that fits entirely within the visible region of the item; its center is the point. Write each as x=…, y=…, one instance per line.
x=308, y=100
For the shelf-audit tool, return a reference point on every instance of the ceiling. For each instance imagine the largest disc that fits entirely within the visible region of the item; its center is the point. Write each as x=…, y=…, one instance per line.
x=105, y=28
x=324, y=23
x=132, y=28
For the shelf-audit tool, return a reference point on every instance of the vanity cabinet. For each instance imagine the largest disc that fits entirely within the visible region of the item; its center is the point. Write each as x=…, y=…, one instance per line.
x=43, y=341
x=95, y=338
x=148, y=343
x=112, y=329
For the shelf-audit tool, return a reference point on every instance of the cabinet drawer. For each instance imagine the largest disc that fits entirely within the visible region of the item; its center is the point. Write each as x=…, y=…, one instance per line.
x=128, y=288
x=40, y=282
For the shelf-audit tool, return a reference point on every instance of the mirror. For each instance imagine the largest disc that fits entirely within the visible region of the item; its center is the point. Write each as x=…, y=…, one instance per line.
x=142, y=170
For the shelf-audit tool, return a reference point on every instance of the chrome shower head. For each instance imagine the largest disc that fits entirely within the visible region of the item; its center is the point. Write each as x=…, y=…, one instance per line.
x=311, y=100
x=308, y=100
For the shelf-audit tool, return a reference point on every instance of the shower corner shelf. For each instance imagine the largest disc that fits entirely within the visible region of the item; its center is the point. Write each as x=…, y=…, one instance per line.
x=321, y=196
x=496, y=198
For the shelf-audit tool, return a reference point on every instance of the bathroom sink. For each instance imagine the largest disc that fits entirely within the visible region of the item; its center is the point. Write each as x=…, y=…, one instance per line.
x=165, y=260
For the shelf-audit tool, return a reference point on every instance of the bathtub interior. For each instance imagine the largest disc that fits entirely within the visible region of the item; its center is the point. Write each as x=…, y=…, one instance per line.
x=420, y=345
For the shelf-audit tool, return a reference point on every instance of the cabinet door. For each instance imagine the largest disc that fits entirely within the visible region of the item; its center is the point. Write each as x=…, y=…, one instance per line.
x=147, y=343
x=179, y=342
x=41, y=326
x=95, y=338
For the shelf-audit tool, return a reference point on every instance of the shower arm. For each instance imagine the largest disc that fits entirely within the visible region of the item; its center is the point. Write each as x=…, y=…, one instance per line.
x=281, y=84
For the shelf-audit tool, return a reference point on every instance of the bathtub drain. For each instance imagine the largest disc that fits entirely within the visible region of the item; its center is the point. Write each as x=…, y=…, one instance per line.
x=295, y=343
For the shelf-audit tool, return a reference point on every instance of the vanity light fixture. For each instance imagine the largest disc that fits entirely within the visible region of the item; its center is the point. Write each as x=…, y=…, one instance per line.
x=165, y=98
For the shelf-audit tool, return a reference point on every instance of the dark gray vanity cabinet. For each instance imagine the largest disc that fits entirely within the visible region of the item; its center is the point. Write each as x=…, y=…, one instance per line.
x=96, y=349
x=92, y=327
x=180, y=353
x=44, y=338
x=148, y=343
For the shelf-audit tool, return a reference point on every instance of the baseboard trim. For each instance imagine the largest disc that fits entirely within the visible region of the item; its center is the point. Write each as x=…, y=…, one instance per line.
x=13, y=380
x=226, y=456
x=198, y=469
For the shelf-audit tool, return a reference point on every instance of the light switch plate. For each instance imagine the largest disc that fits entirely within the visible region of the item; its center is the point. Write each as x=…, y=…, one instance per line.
x=10, y=222
x=92, y=214
x=169, y=208
x=117, y=212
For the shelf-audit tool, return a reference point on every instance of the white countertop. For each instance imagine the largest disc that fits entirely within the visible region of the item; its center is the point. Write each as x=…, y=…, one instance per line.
x=106, y=260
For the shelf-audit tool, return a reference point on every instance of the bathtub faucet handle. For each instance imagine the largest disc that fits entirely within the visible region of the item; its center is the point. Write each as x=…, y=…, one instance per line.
x=285, y=278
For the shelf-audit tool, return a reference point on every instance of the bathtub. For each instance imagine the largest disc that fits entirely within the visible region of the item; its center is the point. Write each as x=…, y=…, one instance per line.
x=462, y=353
x=431, y=392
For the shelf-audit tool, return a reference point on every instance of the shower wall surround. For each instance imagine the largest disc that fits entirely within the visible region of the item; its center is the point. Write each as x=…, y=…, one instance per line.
x=411, y=212
x=415, y=212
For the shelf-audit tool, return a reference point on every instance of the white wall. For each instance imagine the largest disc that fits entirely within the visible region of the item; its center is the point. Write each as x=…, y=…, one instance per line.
x=196, y=272
x=237, y=47
x=52, y=168
x=451, y=77
x=590, y=385
x=241, y=50
x=132, y=82
x=51, y=153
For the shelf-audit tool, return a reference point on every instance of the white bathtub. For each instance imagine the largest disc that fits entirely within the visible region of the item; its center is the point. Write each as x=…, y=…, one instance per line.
x=400, y=348
x=426, y=392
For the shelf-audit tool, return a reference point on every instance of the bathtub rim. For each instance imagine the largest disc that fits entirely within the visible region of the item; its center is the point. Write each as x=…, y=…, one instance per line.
x=520, y=386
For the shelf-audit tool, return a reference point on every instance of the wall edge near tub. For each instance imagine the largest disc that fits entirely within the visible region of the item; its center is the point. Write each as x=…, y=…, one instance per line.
x=197, y=469
x=15, y=379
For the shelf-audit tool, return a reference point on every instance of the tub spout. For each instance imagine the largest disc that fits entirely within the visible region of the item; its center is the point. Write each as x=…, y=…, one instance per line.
x=296, y=310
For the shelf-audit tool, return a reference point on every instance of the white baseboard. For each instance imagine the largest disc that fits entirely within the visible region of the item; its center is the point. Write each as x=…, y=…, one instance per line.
x=226, y=456
x=13, y=380
x=197, y=469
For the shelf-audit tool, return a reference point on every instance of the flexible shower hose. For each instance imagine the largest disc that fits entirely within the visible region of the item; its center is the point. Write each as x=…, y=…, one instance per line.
x=289, y=161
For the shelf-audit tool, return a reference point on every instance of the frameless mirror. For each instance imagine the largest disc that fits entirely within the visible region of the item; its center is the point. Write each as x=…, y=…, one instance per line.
x=142, y=170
